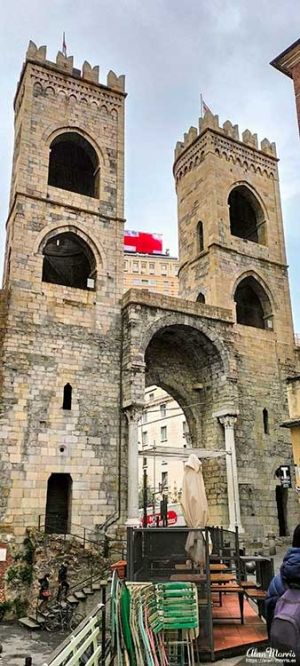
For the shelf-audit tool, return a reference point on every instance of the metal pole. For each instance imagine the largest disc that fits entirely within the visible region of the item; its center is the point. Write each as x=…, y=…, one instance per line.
x=145, y=493
x=103, y=584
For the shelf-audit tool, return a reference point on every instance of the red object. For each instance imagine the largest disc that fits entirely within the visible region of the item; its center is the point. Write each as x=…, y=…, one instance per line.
x=171, y=515
x=120, y=567
x=144, y=243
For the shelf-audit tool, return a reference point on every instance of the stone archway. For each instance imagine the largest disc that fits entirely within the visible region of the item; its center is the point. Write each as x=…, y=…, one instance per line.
x=184, y=361
x=193, y=367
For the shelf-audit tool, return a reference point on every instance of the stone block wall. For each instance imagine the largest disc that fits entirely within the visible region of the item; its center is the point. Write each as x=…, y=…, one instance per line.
x=56, y=335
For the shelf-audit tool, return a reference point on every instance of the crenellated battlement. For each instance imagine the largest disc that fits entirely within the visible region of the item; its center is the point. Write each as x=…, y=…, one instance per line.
x=211, y=121
x=64, y=64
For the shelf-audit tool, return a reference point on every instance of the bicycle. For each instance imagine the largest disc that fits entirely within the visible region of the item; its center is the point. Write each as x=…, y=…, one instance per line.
x=62, y=617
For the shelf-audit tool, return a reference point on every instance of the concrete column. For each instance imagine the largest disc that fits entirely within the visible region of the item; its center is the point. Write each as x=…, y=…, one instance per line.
x=133, y=414
x=228, y=422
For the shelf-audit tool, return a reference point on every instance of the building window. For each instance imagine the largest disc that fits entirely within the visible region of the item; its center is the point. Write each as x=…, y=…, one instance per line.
x=144, y=417
x=69, y=261
x=135, y=266
x=151, y=268
x=163, y=434
x=125, y=266
x=143, y=267
x=163, y=411
x=145, y=281
x=67, y=399
x=74, y=165
x=151, y=396
x=253, y=307
x=163, y=269
x=246, y=215
x=266, y=421
x=136, y=281
x=164, y=480
x=200, y=297
x=200, y=237
x=144, y=437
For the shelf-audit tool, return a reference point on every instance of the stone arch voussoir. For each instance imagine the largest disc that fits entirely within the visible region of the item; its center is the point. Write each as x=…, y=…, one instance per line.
x=178, y=319
x=94, y=244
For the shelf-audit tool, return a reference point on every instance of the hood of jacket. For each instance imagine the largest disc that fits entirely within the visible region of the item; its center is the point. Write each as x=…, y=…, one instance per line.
x=290, y=568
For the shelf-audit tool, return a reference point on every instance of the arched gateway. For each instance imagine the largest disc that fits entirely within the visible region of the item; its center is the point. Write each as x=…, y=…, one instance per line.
x=187, y=356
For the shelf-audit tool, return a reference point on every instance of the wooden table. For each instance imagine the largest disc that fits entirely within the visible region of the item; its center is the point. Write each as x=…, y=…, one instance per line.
x=192, y=568
x=222, y=578
x=189, y=578
x=218, y=567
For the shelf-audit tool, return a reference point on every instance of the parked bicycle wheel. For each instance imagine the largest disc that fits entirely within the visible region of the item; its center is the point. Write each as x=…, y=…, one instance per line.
x=53, y=621
x=75, y=620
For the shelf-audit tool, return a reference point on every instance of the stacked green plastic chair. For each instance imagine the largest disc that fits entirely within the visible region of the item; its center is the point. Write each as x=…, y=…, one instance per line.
x=154, y=625
x=180, y=618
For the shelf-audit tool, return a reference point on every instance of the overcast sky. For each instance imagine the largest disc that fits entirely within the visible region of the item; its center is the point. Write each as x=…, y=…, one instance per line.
x=170, y=52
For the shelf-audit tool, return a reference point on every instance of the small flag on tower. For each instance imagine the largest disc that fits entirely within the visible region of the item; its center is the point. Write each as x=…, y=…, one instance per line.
x=204, y=107
x=64, y=46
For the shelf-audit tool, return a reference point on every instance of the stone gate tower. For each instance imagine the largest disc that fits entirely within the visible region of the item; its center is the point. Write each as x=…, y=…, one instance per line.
x=60, y=325
x=232, y=255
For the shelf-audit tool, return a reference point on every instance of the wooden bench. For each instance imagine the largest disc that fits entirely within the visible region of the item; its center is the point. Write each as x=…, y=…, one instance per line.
x=230, y=588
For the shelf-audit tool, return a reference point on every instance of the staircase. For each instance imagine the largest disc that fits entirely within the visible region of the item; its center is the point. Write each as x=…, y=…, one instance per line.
x=78, y=596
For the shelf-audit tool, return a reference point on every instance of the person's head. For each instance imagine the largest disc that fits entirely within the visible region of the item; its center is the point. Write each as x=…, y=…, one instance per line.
x=296, y=537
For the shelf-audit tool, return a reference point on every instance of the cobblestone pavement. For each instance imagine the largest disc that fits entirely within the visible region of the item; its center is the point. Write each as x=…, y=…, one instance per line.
x=19, y=643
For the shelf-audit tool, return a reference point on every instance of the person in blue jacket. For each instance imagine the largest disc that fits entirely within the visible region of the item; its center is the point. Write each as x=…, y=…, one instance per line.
x=289, y=576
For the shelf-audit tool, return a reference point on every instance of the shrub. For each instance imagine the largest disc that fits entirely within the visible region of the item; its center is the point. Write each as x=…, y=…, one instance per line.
x=4, y=607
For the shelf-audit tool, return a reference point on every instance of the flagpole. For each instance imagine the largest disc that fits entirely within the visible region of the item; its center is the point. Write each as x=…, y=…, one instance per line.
x=64, y=46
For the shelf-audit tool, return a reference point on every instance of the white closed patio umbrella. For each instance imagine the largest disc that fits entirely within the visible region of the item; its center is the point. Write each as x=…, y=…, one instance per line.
x=195, y=508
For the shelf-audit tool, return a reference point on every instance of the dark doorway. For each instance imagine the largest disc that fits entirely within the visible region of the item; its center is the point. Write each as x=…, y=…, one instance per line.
x=281, y=501
x=58, y=505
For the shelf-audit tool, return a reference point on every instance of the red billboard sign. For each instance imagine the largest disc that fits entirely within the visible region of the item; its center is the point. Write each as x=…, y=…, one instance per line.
x=142, y=242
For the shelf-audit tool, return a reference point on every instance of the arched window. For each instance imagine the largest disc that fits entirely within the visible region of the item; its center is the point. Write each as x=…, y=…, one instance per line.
x=253, y=307
x=266, y=421
x=200, y=237
x=246, y=215
x=200, y=298
x=68, y=260
x=67, y=400
x=74, y=165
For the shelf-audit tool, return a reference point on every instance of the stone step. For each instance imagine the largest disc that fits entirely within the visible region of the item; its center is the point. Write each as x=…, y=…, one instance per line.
x=96, y=586
x=87, y=590
x=29, y=623
x=39, y=618
x=72, y=600
x=80, y=595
